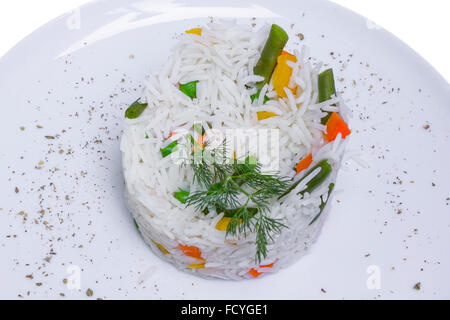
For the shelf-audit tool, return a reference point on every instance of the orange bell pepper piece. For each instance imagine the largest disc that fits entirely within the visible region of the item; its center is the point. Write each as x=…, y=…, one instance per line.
x=336, y=125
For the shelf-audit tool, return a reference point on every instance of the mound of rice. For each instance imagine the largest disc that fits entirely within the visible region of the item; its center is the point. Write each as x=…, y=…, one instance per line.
x=222, y=60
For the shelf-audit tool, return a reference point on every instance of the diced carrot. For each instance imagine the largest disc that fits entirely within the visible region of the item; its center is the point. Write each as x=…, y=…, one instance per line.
x=304, y=163
x=191, y=251
x=254, y=273
x=201, y=140
x=265, y=115
x=282, y=74
x=197, y=31
x=268, y=265
x=172, y=133
x=285, y=53
x=336, y=125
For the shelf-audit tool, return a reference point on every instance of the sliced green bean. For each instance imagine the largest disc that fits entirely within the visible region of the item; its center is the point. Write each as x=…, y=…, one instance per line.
x=169, y=149
x=325, y=170
x=189, y=89
x=327, y=89
x=272, y=50
x=135, y=224
x=181, y=195
x=135, y=110
x=323, y=203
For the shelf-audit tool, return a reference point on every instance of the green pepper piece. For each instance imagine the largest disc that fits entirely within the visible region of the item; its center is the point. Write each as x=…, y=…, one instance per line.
x=135, y=110
x=181, y=195
x=189, y=89
x=169, y=149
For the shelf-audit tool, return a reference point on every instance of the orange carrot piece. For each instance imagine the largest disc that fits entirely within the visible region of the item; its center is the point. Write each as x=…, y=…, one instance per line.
x=304, y=163
x=285, y=53
x=191, y=251
x=201, y=140
x=336, y=125
x=172, y=133
x=254, y=273
x=268, y=265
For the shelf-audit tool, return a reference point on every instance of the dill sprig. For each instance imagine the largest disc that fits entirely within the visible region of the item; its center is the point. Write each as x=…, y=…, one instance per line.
x=226, y=184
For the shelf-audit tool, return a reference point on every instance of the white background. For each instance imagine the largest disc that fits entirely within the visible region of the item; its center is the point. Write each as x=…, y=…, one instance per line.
x=423, y=25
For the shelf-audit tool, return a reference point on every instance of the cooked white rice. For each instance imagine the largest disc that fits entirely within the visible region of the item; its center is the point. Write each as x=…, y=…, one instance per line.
x=222, y=59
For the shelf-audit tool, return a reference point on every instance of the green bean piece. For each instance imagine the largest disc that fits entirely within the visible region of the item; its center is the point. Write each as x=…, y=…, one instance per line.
x=314, y=182
x=327, y=89
x=323, y=203
x=272, y=50
x=169, y=149
x=319, y=178
x=135, y=224
x=189, y=89
x=135, y=110
x=181, y=195
x=256, y=96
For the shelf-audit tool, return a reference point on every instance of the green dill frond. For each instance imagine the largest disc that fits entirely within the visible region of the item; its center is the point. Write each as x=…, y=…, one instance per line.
x=231, y=188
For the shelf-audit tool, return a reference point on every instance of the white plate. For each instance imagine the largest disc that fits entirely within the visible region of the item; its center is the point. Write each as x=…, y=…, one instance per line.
x=75, y=77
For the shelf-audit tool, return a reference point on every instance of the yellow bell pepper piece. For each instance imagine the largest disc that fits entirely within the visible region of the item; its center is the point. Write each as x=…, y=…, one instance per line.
x=197, y=31
x=265, y=115
x=161, y=247
x=282, y=74
x=197, y=266
x=223, y=223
